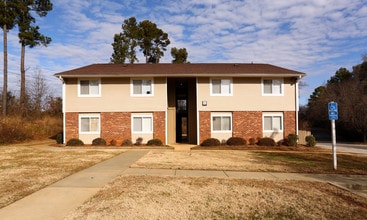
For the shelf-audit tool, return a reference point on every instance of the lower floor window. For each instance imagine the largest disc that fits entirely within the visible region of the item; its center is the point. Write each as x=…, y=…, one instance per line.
x=142, y=123
x=89, y=124
x=222, y=122
x=273, y=122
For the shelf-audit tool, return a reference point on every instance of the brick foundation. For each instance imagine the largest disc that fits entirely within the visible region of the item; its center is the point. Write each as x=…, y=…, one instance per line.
x=71, y=125
x=159, y=123
x=247, y=124
x=116, y=126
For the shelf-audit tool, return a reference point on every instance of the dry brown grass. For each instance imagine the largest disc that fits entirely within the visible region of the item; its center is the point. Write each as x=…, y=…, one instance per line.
x=152, y=197
x=16, y=129
x=26, y=169
x=314, y=161
x=148, y=197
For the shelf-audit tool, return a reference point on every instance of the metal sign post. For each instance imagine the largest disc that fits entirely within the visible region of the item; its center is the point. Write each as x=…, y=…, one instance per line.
x=333, y=115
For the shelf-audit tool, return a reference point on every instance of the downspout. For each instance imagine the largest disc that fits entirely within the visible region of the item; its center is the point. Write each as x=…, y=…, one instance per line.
x=166, y=110
x=297, y=105
x=197, y=113
x=63, y=110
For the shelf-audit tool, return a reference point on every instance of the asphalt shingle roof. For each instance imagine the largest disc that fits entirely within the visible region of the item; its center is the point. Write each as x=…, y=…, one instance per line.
x=179, y=70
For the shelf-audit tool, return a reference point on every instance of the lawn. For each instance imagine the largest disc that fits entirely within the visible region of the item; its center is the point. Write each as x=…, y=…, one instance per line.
x=172, y=197
x=26, y=169
x=278, y=160
x=152, y=197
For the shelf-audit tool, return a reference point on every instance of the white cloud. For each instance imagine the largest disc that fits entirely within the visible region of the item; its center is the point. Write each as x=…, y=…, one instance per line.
x=313, y=36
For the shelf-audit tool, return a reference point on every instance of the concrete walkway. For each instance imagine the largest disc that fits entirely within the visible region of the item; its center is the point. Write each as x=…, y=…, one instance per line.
x=60, y=198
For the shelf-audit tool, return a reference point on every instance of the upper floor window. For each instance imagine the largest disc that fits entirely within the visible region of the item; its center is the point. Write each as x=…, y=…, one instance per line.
x=89, y=124
x=89, y=87
x=221, y=87
x=221, y=122
x=272, y=87
x=142, y=87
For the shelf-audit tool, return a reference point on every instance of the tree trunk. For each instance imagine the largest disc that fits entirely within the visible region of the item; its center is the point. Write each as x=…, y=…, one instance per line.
x=22, y=82
x=5, y=83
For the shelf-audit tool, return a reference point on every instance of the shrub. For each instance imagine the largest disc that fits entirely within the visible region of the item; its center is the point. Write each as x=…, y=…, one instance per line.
x=59, y=138
x=210, y=142
x=13, y=130
x=154, y=142
x=139, y=141
x=126, y=142
x=266, y=142
x=99, y=142
x=75, y=142
x=292, y=140
x=311, y=141
x=236, y=141
x=252, y=141
x=113, y=142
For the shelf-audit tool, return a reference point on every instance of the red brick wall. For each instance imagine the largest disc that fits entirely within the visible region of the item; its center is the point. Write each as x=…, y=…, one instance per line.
x=205, y=131
x=159, y=119
x=71, y=125
x=247, y=124
x=289, y=123
x=116, y=126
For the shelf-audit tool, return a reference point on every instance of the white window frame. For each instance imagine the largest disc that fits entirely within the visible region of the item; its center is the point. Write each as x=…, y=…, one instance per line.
x=89, y=116
x=273, y=87
x=89, y=94
x=142, y=116
x=221, y=84
x=221, y=115
x=142, y=79
x=273, y=116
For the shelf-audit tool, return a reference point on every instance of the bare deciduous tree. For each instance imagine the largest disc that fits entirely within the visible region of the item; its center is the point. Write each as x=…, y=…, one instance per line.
x=38, y=91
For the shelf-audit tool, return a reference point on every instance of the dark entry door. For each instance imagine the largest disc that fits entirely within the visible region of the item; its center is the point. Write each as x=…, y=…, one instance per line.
x=182, y=119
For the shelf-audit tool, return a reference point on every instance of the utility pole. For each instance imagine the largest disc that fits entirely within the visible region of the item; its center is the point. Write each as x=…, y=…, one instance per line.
x=5, y=80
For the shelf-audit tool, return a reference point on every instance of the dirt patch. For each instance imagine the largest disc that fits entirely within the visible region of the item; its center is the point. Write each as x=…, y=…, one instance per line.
x=26, y=169
x=147, y=197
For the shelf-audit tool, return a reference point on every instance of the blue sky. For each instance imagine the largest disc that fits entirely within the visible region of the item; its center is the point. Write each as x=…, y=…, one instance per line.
x=316, y=37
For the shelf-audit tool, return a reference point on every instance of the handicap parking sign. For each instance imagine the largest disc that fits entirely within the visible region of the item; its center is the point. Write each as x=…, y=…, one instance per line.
x=333, y=110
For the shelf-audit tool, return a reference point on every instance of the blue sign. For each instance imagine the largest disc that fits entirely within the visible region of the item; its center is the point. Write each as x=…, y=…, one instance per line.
x=333, y=110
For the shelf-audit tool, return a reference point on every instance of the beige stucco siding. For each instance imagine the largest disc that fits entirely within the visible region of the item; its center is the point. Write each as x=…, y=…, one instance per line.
x=116, y=97
x=246, y=96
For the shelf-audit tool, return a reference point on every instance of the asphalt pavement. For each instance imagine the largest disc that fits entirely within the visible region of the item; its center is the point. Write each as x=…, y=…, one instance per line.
x=360, y=149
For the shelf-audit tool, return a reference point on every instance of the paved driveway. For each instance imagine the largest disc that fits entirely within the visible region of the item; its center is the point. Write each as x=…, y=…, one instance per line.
x=344, y=147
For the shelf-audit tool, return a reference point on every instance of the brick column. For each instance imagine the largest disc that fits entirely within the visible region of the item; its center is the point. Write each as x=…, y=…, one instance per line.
x=71, y=125
x=204, y=126
x=116, y=126
x=247, y=124
x=159, y=130
x=289, y=123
